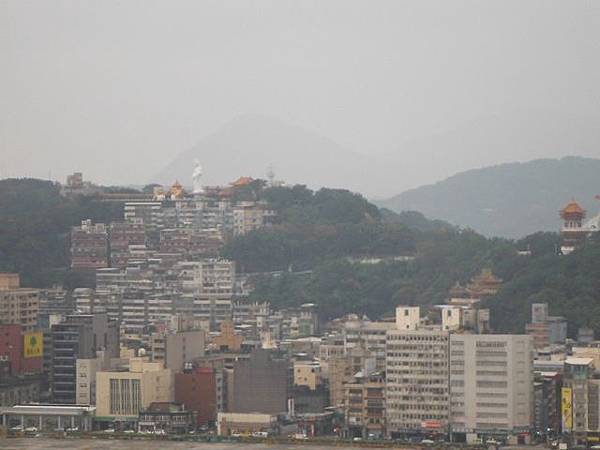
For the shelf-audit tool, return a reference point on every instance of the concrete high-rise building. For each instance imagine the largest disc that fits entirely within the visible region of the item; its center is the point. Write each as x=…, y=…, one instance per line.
x=78, y=337
x=18, y=306
x=417, y=390
x=491, y=385
x=206, y=288
x=547, y=389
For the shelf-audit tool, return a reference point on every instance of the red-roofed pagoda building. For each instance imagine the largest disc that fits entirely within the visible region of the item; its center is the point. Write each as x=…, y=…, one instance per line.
x=573, y=231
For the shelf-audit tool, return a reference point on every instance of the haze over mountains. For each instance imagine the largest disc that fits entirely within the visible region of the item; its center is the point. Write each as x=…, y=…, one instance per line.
x=249, y=144
x=510, y=200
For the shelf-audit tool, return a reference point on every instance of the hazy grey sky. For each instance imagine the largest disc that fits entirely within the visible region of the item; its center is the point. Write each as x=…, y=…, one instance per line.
x=117, y=88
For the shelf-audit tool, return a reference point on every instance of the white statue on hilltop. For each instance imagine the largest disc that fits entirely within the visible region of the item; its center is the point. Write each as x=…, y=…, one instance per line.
x=197, y=178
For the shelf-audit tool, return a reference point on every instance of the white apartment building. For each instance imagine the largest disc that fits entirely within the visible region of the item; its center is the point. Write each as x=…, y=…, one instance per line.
x=491, y=384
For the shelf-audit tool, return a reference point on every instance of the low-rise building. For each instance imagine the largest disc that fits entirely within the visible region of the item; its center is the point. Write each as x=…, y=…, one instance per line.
x=229, y=423
x=121, y=395
x=19, y=390
x=166, y=416
x=49, y=417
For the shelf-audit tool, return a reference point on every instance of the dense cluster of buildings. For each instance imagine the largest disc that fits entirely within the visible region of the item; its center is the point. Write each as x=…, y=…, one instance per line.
x=168, y=341
x=429, y=373
x=169, y=222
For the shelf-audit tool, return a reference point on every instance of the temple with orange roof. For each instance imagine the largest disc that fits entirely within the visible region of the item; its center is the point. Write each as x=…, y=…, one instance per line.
x=176, y=192
x=573, y=231
x=242, y=181
x=484, y=285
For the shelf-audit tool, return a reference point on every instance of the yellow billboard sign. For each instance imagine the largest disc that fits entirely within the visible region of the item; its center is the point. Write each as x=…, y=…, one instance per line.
x=33, y=344
x=566, y=409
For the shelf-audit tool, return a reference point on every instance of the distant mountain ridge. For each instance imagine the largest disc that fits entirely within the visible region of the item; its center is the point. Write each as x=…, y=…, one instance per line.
x=509, y=200
x=249, y=144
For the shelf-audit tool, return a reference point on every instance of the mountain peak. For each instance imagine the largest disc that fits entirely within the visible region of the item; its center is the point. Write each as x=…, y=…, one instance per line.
x=248, y=144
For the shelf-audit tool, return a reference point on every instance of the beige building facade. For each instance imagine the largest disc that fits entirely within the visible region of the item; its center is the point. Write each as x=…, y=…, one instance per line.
x=18, y=305
x=122, y=395
x=307, y=373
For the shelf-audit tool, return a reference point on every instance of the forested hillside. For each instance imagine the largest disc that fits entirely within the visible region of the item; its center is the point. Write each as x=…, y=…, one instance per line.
x=333, y=248
x=510, y=200
x=310, y=237
x=34, y=225
x=569, y=284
